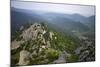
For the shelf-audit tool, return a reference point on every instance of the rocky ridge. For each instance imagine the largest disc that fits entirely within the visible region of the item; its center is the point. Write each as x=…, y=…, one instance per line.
x=35, y=46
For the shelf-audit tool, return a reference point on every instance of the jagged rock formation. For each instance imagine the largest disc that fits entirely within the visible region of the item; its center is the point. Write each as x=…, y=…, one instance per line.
x=86, y=51
x=34, y=47
x=24, y=58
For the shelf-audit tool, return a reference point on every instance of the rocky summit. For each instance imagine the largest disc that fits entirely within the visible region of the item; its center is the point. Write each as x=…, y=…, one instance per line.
x=35, y=46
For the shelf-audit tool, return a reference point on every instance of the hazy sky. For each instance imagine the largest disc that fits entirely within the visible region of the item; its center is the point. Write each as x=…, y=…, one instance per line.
x=59, y=8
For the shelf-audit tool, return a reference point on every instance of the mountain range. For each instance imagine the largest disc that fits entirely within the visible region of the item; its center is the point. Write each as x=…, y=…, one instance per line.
x=64, y=22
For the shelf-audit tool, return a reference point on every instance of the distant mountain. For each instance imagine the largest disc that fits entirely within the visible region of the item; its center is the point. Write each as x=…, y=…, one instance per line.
x=21, y=16
x=65, y=22
x=91, y=20
x=91, y=23
x=78, y=18
x=74, y=17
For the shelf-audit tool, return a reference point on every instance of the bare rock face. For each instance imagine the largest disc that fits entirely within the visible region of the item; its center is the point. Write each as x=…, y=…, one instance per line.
x=51, y=34
x=32, y=32
x=62, y=57
x=24, y=58
x=16, y=44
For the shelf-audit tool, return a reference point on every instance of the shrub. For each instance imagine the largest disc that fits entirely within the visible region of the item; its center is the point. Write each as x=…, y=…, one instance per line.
x=52, y=54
